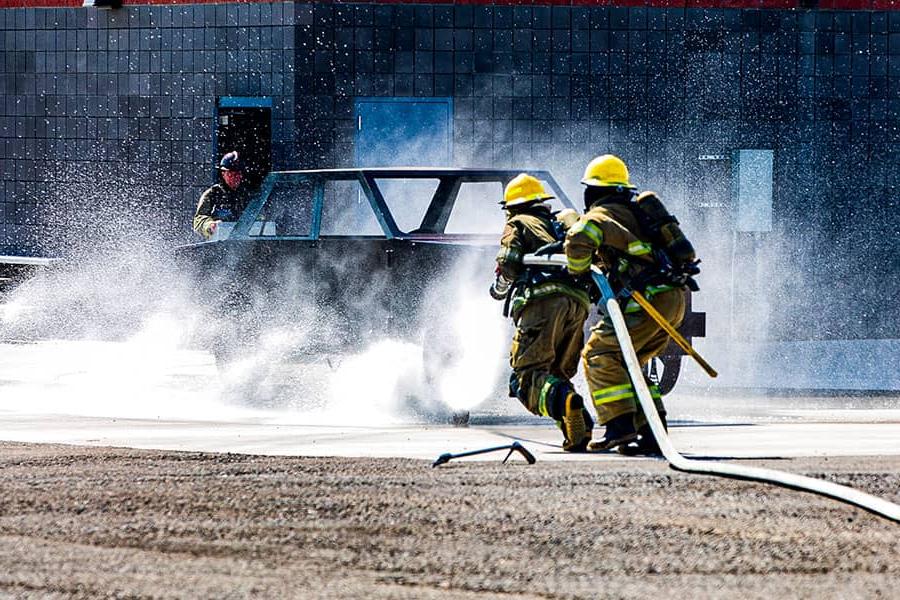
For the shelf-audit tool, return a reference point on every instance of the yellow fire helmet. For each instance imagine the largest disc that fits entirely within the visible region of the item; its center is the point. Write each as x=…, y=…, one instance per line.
x=607, y=171
x=524, y=189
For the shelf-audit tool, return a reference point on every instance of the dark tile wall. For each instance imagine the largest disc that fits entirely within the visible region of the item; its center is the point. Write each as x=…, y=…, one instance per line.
x=127, y=97
x=553, y=86
x=109, y=111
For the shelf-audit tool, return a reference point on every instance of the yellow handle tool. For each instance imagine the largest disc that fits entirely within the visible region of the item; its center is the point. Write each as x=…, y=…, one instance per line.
x=683, y=343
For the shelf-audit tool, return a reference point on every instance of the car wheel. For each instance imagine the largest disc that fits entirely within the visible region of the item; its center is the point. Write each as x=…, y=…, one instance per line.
x=665, y=371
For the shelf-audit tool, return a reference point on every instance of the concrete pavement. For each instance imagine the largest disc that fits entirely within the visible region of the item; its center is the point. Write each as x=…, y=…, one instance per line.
x=258, y=436
x=148, y=393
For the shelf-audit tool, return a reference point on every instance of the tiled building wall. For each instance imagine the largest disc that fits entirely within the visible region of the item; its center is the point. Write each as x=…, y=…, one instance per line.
x=553, y=86
x=107, y=116
x=133, y=90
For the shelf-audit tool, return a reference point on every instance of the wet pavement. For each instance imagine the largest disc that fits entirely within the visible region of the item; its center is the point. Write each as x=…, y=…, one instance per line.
x=151, y=396
x=770, y=440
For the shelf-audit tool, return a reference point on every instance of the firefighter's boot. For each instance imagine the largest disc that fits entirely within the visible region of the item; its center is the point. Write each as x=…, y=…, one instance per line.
x=646, y=443
x=576, y=424
x=619, y=430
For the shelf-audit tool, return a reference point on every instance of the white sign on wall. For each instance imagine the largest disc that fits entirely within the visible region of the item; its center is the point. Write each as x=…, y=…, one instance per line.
x=751, y=176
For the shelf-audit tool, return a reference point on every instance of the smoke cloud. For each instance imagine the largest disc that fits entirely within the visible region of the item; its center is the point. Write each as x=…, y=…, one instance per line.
x=123, y=327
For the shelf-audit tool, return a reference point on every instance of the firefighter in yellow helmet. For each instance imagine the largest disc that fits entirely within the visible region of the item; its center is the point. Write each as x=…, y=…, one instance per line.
x=611, y=235
x=548, y=308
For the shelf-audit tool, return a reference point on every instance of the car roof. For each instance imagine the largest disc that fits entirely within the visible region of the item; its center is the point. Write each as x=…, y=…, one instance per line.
x=416, y=172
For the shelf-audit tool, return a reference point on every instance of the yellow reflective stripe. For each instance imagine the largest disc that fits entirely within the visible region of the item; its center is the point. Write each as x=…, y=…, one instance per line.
x=652, y=290
x=608, y=399
x=517, y=303
x=590, y=229
x=547, y=288
x=654, y=392
x=613, y=393
x=615, y=388
x=577, y=265
x=550, y=288
x=638, y=248
x=542, y=401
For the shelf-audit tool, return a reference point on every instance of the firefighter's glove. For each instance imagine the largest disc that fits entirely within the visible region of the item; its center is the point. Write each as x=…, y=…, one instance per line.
x=500, y=288
x=550, y=249
x=691, y=268
x=688, y=272
x=683, y=275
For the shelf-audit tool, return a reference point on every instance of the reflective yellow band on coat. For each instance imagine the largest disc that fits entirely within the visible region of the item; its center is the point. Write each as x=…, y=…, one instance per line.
x=615, y=388
x=655, y=393
x=548, y=289
x=594, y=233
x=577, y=265
x=611, y=394
x=608, y=399
x=638, y=248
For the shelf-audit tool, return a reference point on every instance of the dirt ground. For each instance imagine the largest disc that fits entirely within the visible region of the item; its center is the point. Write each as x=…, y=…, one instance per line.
x=107, y=522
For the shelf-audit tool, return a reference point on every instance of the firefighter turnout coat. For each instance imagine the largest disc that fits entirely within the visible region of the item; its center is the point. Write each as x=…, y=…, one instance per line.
x=610, y=236
x=548, y=312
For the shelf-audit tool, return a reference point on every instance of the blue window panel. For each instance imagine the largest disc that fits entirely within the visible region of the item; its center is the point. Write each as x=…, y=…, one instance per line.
x=404, y=132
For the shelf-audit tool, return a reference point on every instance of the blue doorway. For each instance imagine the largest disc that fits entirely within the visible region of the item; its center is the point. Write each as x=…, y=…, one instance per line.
x=244, y=124
x=404, y=132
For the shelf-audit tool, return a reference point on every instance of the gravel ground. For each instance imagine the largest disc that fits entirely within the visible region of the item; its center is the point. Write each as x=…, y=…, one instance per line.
x=101, y=522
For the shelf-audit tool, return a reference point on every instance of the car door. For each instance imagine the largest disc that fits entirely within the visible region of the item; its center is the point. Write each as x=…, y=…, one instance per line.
x=352, y=262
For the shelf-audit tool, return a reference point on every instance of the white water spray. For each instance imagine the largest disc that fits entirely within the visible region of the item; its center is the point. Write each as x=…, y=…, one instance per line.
x=370, y=388
x=481, y=332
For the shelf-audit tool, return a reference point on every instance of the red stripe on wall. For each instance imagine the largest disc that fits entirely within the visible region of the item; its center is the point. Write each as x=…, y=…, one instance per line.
x=881, y=5
x=38, y=3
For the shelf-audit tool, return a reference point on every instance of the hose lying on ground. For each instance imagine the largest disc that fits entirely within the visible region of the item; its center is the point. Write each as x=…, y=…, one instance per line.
x=873, y=504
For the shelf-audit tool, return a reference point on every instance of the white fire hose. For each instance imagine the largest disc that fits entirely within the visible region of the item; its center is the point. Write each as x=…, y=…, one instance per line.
x=878, y=506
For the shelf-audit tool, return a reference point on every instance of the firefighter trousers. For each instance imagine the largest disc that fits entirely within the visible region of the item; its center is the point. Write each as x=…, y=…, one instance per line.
x=545, y=350
x=604, y=366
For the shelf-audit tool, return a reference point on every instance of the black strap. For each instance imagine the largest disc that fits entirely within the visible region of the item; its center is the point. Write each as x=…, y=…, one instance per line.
x=514, y=289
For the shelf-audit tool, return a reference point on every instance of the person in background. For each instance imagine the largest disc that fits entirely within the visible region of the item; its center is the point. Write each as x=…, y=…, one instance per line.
x=224, y=201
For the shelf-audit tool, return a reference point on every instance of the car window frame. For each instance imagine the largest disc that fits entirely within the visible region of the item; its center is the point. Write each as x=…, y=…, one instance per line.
x=439, y=209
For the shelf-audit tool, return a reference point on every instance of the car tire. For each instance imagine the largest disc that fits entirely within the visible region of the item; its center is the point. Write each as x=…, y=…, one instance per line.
x=671, y=367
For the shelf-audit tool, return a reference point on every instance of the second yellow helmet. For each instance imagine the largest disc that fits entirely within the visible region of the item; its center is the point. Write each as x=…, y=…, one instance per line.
x=524, y=189
x=607, y=171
